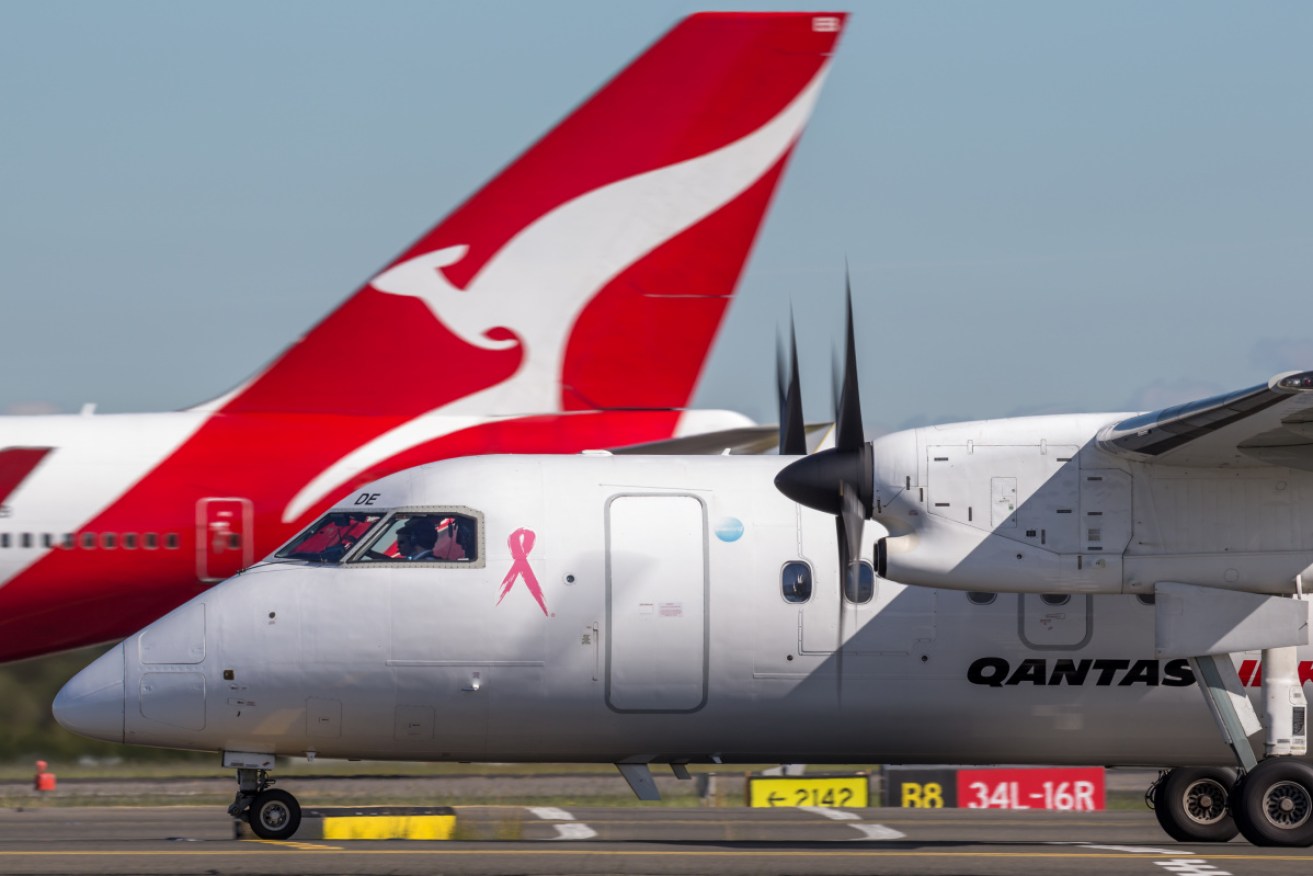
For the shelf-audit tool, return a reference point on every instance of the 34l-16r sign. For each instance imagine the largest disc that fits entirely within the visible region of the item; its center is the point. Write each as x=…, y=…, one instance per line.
x=1079, y=789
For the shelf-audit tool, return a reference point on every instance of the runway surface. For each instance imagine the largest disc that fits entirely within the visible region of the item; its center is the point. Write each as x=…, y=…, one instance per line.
x=547, y=840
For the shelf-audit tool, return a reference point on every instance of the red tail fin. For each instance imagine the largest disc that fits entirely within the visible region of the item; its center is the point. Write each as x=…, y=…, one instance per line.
x=593, y=271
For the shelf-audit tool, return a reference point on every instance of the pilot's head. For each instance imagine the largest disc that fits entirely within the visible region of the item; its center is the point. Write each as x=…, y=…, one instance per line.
x=417, y=535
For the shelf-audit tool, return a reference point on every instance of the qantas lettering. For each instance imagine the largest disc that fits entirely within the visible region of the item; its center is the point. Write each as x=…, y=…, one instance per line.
x=997, y=672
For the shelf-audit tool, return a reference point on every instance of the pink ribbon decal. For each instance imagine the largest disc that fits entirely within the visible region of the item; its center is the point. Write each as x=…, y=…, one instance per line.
x=520, y=543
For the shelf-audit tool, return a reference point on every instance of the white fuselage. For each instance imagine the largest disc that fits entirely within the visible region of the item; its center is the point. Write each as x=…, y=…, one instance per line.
x=666, y=636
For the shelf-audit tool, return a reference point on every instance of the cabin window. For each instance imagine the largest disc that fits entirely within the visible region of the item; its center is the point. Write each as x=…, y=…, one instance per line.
x=441, y=535
x=796, y=581
x=330, y=538
x=150, y=541
x=863, y=590
x=108, y=540
x=47, y=540
x=981, y=597
x=67, y=542
x=88, y=540
x=1146, y=598
x=4, y=540
x=171, y=541
x=26, y=540
x=1055, y=598
x=130, y=541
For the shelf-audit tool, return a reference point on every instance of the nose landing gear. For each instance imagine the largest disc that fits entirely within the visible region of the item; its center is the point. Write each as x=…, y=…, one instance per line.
x=273, y=814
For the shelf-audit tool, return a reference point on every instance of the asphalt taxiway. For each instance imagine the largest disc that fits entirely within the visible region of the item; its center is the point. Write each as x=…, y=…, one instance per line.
x=550, y=840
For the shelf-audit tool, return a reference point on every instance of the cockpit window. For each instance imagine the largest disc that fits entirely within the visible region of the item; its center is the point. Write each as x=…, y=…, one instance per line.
x=441, y=536
x=329, y=539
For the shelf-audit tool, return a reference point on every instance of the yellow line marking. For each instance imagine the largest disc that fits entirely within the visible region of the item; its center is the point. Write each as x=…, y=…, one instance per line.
x=848, y=852
x=292, y=844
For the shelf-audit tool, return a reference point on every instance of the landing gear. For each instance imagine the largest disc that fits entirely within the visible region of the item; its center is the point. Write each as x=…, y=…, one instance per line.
x=1273, y=804
x=1191, y=804
x=272, y=814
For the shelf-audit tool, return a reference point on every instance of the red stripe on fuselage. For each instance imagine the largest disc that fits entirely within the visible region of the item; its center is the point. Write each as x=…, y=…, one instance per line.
x=16, y=463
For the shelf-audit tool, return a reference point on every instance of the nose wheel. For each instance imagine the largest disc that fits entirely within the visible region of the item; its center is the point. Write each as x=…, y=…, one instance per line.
x=274, y=815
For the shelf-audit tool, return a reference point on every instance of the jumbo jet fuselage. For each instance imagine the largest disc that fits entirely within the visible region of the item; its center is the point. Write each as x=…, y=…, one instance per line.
x=659, y=609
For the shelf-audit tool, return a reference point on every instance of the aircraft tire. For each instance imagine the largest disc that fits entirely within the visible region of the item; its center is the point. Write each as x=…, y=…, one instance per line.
x=274, y=815
x=1191, y=804
x=1273, y=804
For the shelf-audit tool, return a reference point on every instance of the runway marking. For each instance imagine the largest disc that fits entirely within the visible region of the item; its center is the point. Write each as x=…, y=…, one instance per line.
x=292, y=844
x=836, y=814
x=1192, y=867
x=878, y=831
x=1131, y=850
x=551, y=813
x=574, y=831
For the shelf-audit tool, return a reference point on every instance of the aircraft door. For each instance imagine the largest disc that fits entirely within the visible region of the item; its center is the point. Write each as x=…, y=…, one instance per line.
x=656, y=603
x=224, y=543
x=1056, y=621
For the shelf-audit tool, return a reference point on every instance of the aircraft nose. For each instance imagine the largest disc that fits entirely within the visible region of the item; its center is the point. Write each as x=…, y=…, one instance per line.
x=91, y=704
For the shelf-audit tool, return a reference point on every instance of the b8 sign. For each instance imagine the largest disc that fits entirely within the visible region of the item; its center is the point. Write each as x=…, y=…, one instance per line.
x=1079, y=789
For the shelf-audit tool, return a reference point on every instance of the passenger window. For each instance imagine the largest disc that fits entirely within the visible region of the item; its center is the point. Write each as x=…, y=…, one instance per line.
x=27, y=539
x=981, y=597
x=171, y=541
x=330, y=538
x=47, y=540
x=865, y=588
x=130, y=541
x=1055, y=598
x=67, y=542
x=426, y=536
x=4, y=540
x=150, y=541
x=796, y=581
x=108, y=540
x=88, y=540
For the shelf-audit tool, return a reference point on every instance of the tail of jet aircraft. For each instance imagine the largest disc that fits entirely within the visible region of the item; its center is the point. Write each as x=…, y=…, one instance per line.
x=593, y=272
x=569, y=303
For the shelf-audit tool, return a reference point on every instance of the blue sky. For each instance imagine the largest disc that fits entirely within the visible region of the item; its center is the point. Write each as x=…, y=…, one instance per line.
x=1045, y=206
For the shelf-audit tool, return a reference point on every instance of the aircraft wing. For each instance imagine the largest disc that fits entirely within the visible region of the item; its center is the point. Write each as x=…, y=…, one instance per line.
x=1271, y=423
x=747, y=440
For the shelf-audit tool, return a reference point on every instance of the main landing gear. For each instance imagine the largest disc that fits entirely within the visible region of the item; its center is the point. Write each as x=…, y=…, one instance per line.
x=1191, y=804
x=1271, y=803
x=272, y=814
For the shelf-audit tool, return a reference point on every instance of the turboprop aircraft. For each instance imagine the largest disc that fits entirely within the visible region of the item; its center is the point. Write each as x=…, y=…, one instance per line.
x=675, y=610
x=569, y=303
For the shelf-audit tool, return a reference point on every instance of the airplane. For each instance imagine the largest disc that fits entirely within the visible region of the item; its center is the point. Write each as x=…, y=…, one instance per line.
x=570, y=303
x=673, y=610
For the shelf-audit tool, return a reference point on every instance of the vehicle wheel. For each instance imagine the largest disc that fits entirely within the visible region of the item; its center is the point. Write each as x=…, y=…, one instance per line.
x=274, y=815
x=1191, y=804
x=1273, y=804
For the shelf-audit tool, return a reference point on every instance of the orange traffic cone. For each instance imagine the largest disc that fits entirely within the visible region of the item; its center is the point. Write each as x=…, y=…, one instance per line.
x=44, y=780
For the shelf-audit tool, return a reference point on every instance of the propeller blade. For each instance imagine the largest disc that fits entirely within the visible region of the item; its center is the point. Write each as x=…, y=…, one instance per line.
x=793, y=436
x=849, y=434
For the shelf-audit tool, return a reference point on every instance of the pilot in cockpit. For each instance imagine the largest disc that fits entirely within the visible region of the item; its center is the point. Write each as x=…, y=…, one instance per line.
x=416, y=539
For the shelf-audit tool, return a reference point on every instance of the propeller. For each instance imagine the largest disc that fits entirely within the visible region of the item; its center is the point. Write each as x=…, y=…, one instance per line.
x=839, y=481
